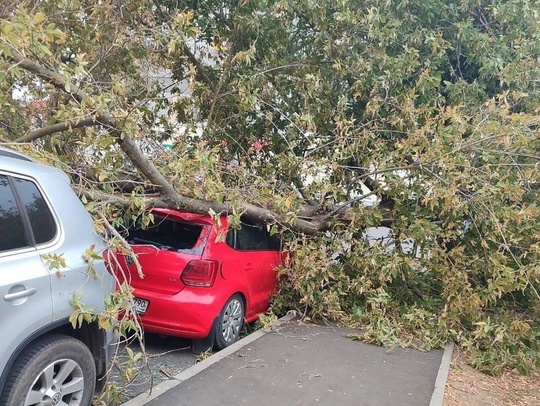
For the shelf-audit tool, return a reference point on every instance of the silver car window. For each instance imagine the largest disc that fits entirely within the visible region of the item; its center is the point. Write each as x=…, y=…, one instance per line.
x=12, y=232
x=41, y=219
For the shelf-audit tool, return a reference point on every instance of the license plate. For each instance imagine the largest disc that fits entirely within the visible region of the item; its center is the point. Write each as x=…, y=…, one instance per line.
x=140, y=305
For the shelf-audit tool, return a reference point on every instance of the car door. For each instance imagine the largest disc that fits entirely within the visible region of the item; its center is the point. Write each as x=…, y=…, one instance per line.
x=25, y=287
x=260, y=257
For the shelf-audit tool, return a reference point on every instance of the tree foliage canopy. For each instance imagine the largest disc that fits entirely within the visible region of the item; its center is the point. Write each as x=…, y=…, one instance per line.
x=294, y=113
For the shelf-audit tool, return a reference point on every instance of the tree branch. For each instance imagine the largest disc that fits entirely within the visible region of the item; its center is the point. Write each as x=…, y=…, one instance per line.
x=143, y=164
x=199, y=68
x=55, y=128
x=49, y=76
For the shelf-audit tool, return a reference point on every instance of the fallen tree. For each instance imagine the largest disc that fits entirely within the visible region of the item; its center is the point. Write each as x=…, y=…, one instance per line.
x=321, y=120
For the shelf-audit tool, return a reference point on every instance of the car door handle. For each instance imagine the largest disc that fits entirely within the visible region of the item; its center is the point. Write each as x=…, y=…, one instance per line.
x=19, y=295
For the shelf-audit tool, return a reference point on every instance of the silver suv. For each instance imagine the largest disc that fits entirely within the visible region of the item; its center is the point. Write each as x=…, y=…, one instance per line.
x=43, y=359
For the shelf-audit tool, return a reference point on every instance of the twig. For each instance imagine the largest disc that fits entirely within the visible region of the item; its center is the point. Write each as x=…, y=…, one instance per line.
x=126, y=244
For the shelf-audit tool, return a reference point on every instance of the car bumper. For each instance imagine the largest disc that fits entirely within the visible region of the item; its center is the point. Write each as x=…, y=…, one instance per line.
x=190, y=313
x=107, y=351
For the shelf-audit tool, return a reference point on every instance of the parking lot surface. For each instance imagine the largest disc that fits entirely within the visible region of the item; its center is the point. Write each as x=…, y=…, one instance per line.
x=303, y=364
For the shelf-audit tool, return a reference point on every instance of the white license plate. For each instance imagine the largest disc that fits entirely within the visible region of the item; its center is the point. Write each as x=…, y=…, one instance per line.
x=140, y=305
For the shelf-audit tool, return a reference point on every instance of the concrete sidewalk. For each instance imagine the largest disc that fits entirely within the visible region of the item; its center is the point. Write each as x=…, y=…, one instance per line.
x=301, y=364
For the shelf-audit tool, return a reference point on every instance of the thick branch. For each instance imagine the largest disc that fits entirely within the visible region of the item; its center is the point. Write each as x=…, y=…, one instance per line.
x=55, y=128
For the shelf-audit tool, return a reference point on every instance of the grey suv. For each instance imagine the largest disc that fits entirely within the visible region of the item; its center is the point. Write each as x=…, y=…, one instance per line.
x=43, y=360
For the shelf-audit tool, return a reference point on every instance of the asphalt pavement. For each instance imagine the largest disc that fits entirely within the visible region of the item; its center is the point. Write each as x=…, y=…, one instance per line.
x=305, y=364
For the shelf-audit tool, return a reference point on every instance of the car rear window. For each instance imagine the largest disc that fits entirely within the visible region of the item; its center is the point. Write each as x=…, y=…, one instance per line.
x=167, y=233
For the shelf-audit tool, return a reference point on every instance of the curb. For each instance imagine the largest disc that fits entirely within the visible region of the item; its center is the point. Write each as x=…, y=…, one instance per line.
x=442, y=376
x=187, y=373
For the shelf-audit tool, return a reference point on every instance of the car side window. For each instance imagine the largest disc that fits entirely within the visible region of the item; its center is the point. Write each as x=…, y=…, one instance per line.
x=252, y=238
x=41, y=218
x=12, y=232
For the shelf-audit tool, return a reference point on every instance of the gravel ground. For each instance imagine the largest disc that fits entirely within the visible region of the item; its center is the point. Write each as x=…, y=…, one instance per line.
x=167, y=356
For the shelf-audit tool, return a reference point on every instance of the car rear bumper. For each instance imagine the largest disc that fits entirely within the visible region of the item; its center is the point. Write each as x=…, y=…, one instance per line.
x=189, y=314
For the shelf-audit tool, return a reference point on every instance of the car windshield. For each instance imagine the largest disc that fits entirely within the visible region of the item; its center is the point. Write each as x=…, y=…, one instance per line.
x=168, y=233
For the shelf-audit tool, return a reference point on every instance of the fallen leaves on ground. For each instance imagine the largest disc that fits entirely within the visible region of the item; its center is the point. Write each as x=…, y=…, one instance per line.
x=468, y=387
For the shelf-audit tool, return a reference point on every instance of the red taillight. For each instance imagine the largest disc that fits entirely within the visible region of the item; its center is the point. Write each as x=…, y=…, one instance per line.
x=110, y=263
x=200, y=272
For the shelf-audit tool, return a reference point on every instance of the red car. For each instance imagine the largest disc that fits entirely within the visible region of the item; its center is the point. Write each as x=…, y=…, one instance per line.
x=201, y=281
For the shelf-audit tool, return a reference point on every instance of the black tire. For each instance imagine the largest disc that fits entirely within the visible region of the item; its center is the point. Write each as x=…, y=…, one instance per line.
x=63, y=358
x=229, y=322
